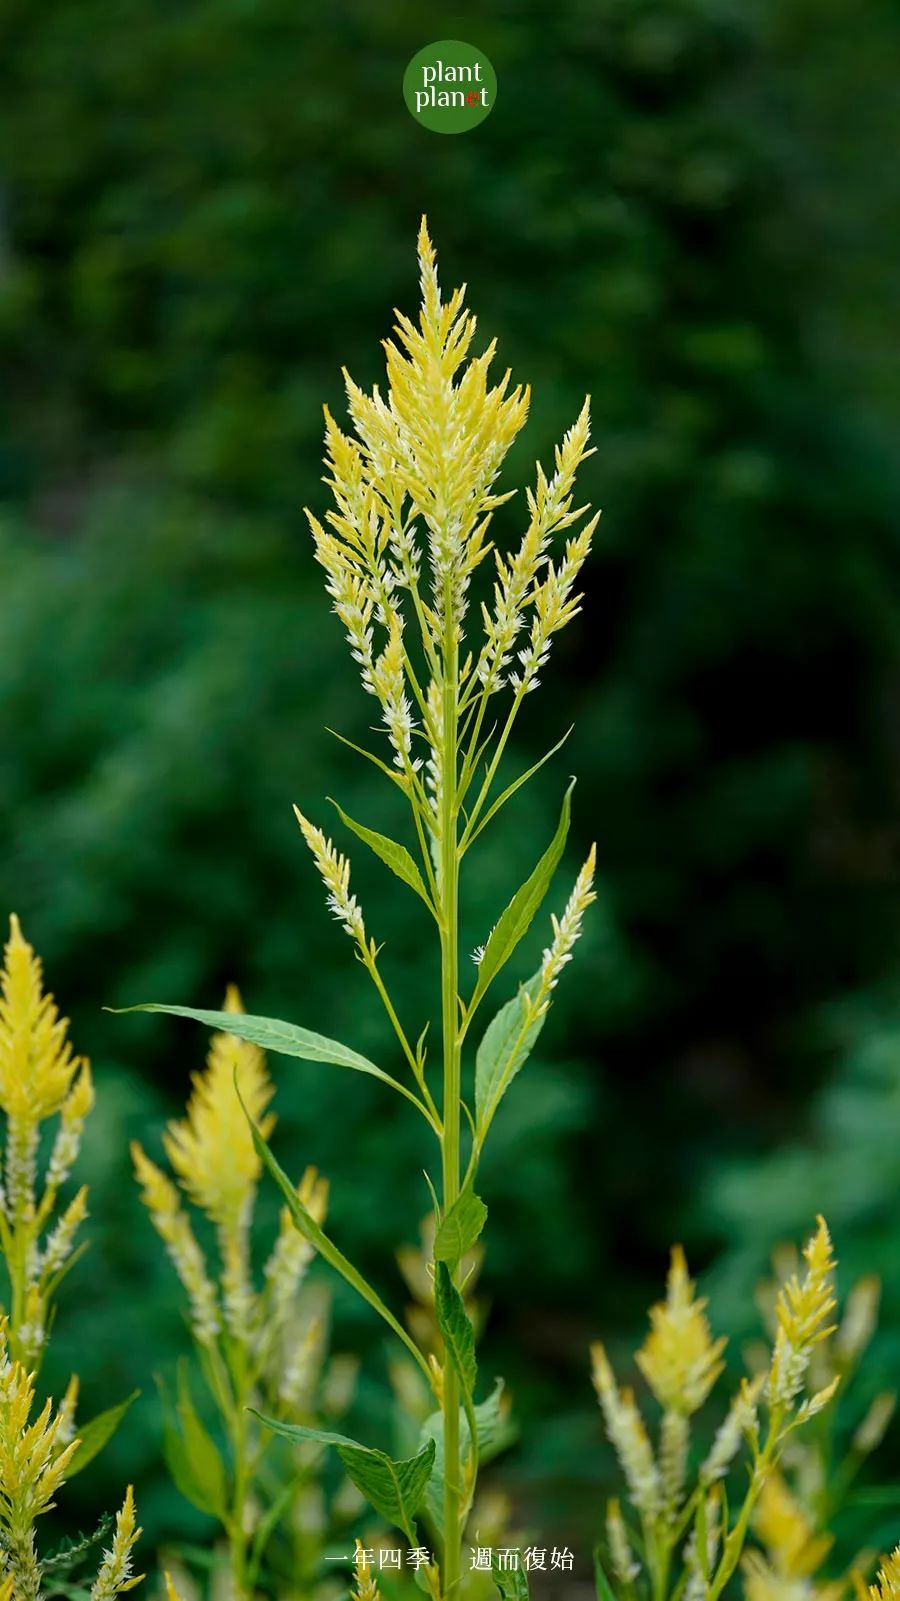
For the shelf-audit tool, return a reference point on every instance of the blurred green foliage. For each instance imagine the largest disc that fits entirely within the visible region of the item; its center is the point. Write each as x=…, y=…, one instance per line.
x=204, y=210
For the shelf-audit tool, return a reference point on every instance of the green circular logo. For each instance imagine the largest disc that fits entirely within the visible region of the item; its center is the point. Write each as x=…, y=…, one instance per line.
x=450, y=87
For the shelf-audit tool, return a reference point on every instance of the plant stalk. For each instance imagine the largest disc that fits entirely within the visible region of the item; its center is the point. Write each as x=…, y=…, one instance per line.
x=451, y=1098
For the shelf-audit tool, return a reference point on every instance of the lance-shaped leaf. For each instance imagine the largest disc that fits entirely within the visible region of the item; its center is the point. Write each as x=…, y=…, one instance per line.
x=285, y=1039
x=459, y=1228
x=516, y=918
x=93, y=1436
x=493, y=1433
x=511, y=1582
x=458, y=1336
x=311, y=1230
x=394, y=856
x=191, y=1456
x=505, y=1047
x=395, y=1489
x=457, y=1332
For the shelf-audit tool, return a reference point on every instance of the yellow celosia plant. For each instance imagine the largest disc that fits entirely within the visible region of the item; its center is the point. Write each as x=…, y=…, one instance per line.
x=793, y=1519
x=415, y=490
x=688, y=1538
x=41, y=1079
x=258, y=1344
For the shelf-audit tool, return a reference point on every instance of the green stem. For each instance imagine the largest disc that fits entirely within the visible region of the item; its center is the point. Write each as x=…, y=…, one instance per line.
x=451, y=1048
x=237, y=1528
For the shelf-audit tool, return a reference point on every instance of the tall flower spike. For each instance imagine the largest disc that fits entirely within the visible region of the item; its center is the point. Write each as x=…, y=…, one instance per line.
x=566, y=929
x=334, y=871
x=741, y=1421
x=115, y=1576
x=215, y=1160
x=679, y=1358
x=211, y=1150
x=802, y=1312
x=550, y=508
x=173, y=1227
x=628, y=1436
x=37, y=1064
x=625, y=1565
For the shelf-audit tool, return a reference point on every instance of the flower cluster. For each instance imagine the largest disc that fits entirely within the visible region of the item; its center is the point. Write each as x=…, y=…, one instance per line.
x=41, y=1078
x=35, y=1453
x=217, y=1168
x=681, y=1361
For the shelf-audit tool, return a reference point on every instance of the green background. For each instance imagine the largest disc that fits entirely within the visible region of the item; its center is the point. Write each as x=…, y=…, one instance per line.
x=687, y=208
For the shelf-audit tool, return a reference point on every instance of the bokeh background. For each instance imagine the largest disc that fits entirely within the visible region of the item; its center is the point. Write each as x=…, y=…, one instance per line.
x=688, y=208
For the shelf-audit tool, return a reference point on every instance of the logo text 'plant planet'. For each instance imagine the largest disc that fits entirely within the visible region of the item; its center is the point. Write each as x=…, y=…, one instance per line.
x=449, y=86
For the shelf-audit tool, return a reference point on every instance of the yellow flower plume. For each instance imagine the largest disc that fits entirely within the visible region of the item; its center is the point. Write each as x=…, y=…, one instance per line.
x=211, y=1150
x=37, y=1063
x=679, y=1358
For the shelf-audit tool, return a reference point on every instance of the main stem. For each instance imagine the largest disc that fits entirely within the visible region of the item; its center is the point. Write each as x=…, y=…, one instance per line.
x=451, y=1103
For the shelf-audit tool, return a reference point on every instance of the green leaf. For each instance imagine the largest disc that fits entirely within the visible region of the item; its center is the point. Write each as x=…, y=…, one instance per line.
x=602, y=1585
x=394, y=856
x=460, y=1228
x=285, y=1039
x=93, y=1436
x=395, y=1489
x=512, y=1583
x=311, y=1231
x=517, y=917
x=505, y=1047
x=510, y=790
x=270, y=1033
x=191, y=1456
x=493, y=1433
x=457, y=1332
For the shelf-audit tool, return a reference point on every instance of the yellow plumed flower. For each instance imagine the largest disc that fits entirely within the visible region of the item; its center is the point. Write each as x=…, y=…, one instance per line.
x=802, y=1311
x=211, y=1150
x=37, y=1063
x=679, y=1358
x=365, y=1587
x=115, y=1576
x=887, y=1581
x=34, y=1456
x=428, y=453
x=627, y=1435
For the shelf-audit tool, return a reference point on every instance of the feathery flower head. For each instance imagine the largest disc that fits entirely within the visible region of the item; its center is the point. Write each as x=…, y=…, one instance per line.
x=887, y=1580
x=37, y=1064
x=802, y=1311
x=679, y=1358
x=566, y=929
x=628, y=1436
x=115, y=1576
x=625, y=1565
x=163, y=1202
x=212, y=1149
x=365, y=1586
x=741, y=1421
x=334, y=870
x=33, y=1458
